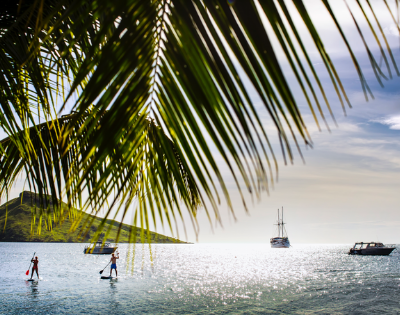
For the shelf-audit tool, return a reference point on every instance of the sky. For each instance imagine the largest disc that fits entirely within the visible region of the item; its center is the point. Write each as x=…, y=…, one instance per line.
x=348, y=188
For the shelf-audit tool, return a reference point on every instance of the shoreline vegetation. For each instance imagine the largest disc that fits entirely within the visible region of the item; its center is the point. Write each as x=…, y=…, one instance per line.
x=18, y=226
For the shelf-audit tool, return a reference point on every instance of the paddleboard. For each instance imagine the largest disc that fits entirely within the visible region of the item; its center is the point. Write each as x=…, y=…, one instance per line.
x=105, y=277
x=31, y=280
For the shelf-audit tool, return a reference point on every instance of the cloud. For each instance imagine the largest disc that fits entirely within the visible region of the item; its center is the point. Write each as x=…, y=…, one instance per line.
x=355, y=224
x=392, y=30
x=366, y=141
x=393, y=122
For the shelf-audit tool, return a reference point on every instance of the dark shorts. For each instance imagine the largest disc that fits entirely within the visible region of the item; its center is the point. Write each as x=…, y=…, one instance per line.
x=113, y=266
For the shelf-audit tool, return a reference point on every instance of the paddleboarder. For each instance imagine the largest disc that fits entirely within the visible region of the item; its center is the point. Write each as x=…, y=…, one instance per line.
x=35, y=266
x=114, y=264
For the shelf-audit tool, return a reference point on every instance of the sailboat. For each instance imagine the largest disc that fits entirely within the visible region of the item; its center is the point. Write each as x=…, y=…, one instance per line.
x=282, y=240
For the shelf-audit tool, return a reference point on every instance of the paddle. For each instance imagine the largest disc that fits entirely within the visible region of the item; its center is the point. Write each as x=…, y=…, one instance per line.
x=27, y=272
x=101, y=271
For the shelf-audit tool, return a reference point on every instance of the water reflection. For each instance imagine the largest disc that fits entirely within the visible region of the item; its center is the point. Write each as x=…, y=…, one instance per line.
x=113, y=296
x=33, y=288
x=113, y=284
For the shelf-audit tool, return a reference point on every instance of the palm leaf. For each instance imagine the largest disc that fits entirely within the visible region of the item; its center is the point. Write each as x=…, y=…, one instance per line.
x=143, y=169
x=156, y=80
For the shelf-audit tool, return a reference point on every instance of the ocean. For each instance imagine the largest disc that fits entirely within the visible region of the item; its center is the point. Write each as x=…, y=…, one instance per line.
x=199, y=279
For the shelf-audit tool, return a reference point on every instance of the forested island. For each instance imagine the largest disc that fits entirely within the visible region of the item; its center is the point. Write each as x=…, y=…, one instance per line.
x=19, y=224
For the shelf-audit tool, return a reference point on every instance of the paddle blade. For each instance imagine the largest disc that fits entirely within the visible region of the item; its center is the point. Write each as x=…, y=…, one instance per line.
x=101, y=272
x=27, y=272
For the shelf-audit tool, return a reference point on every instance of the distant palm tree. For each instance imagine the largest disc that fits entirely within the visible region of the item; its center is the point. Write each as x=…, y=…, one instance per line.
x=150, y=86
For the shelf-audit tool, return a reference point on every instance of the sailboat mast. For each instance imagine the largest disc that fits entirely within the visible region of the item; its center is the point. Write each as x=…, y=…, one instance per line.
x=279, y=225
x=282, y=221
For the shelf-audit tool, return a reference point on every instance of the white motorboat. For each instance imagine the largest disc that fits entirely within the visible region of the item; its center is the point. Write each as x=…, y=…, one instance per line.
x=371, y=248
x=282, y=240
x=100, y=249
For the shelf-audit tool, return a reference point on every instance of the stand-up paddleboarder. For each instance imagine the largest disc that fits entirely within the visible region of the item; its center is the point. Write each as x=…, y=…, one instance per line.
x=35, y=266
x=114, y=264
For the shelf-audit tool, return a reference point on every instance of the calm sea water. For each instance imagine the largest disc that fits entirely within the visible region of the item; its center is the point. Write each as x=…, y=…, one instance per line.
x=200, y=279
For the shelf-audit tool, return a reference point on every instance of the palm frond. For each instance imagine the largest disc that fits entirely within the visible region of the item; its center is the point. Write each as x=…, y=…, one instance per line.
x=146, y=170
x=156, y=79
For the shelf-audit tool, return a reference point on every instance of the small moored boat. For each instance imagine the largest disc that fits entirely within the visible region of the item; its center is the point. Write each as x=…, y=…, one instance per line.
x=371, y=248
x=100, y=249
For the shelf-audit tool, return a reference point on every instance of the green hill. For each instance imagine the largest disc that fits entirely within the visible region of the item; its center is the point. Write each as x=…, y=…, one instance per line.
x=18, y=226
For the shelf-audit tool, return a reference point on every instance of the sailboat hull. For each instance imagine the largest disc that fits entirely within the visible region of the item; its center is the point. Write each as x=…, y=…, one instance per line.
x=280, y=242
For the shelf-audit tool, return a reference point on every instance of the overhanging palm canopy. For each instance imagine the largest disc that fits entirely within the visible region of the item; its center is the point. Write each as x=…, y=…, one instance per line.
x=156, y=82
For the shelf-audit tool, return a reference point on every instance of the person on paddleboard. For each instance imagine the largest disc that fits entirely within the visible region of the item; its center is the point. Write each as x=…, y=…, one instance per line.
x=114, y=264
x=35, y=266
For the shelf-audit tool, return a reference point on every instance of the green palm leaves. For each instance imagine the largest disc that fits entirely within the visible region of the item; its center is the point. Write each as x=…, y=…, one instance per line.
x=157, y=81
x=148, y=169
